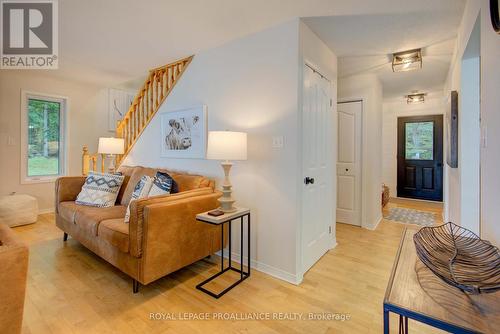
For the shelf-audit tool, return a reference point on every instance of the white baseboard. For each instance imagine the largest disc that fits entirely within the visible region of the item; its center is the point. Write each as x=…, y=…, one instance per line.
x=44, y=211
x=418, y=200
x=374, y=226
x=300, y=277
x=266, y=269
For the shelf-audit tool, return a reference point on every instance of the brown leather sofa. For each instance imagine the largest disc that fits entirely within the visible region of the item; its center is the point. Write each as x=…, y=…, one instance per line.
x=162, y=235
x=13, y=271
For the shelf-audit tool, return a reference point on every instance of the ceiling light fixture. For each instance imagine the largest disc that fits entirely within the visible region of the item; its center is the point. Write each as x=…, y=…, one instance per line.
x=407, y=60
x=415, y=98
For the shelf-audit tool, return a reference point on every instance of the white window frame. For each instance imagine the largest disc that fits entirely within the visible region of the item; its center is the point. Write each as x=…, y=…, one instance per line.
x=63, y=163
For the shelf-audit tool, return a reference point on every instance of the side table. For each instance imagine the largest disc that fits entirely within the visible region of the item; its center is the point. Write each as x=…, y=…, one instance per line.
x=228, y=218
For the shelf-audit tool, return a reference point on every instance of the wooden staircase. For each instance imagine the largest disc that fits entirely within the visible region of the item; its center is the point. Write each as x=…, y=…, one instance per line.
x=154, y=91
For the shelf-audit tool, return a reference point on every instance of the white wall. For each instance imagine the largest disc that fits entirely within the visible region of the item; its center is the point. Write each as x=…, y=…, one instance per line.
x=394, y=108
x=490, y=117
x=248, y=85
x=87, y=120
x=368, y=88
x=251, y=85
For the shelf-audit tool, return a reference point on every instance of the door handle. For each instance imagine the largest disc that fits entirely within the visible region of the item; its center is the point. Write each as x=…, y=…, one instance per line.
x=309, y=180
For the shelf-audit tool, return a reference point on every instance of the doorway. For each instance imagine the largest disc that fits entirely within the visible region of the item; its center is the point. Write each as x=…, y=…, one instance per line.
x=349, y=162
x=317, y=166
x=469, y=122
x=420, y=157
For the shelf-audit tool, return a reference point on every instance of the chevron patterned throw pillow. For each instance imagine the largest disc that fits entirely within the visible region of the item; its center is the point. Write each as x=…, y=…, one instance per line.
x=100, y=190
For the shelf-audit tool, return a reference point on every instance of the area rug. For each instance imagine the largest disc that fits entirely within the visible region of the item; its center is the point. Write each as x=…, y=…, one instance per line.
x=410, y=216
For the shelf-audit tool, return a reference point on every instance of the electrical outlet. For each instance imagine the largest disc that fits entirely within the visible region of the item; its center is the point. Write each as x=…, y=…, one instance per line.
x=11, y=141
x=278, y=142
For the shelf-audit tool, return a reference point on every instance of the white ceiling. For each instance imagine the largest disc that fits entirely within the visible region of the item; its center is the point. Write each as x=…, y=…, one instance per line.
x=364, y=44
x=114, y=41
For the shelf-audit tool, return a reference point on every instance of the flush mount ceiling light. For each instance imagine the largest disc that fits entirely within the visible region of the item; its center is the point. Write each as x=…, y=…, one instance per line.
x=407, y=60
x=415, y=98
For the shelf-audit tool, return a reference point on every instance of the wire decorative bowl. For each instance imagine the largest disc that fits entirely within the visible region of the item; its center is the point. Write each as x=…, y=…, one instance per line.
x=459, y=257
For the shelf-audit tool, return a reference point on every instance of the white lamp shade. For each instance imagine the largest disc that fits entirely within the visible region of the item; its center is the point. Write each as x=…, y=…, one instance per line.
x=227, y=145
x=111, y=145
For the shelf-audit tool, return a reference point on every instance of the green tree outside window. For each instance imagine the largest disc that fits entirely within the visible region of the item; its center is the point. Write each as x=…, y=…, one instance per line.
x=43, y=137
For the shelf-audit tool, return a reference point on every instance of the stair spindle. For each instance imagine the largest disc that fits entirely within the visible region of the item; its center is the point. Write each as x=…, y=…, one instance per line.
x=154, y=91
x=160, y=80
x=157, y=95
x=136, y=120
x=150, y=94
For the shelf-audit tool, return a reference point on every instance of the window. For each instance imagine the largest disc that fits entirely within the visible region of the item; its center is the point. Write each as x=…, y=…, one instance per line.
x=43, y=135
x=419, y=141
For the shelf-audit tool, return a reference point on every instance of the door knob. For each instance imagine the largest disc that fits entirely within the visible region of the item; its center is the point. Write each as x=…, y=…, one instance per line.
x=309, y=180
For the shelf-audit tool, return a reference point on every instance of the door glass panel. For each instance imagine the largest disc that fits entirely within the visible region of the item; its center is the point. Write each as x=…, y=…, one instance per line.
x=419, y=141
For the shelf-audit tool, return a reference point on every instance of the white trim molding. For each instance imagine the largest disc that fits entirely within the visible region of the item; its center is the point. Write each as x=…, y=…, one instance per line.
x=63, y=137
x=265, y=268
x=45, y=211
x=374, y=226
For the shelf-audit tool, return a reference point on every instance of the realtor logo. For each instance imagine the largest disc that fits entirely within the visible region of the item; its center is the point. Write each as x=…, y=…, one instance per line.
x=29, y=34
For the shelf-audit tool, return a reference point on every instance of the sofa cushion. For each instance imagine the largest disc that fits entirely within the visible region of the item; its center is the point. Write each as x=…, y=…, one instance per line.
x=115, y=232
x=127, y=173
x=89, y=217
x=67, y=210
x=187, y=182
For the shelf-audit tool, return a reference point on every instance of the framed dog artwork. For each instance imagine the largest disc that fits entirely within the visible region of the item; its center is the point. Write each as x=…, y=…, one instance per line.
x=184, y=133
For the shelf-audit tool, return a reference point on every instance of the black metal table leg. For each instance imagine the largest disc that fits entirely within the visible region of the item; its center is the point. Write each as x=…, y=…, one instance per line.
x=248, y=245
x=230, y=263
x=241, y=248
x=222, y=248
x=243, y=275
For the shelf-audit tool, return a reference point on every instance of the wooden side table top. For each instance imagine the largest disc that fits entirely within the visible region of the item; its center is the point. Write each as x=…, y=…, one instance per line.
x=415, y=288
x=205, y=217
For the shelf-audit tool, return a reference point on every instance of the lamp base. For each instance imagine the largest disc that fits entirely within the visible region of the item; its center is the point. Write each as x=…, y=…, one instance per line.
x=227, y=207
x=111, y=166
x=227, y=201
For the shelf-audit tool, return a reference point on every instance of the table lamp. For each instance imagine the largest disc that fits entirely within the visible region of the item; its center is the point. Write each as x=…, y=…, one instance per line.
x=111, y=147
x=226, y=146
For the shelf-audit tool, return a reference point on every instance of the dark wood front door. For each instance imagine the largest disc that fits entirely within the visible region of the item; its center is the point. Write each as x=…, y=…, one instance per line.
x=420, y=157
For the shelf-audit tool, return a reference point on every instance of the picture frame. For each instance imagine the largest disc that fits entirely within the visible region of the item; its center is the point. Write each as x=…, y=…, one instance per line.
x=495, y=15
x=119, y=102
x=184, y=133
x=452, y=130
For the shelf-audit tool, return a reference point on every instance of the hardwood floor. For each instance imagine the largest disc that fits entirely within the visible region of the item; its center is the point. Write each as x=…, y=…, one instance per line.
x=71, y=290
